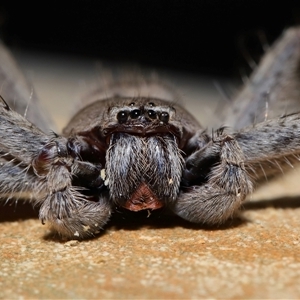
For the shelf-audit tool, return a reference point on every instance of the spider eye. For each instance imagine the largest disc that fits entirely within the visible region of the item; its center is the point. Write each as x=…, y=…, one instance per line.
x=135, y=114
x=151, y=104
x=122, y=116
x=164, y=117
x=152, y=114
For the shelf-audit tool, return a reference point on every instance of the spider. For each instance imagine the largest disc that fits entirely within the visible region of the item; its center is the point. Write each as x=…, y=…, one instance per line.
x=142, y=151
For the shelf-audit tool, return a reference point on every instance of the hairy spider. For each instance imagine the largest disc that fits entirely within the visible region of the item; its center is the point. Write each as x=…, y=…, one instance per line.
x=137, y=148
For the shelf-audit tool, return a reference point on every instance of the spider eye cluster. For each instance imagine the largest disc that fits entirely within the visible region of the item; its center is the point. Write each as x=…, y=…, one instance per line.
x=136, y=113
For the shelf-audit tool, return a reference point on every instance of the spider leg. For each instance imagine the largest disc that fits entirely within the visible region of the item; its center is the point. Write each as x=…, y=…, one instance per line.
x=271, y=147
x=39, y=165
x=230, y=165
x=19, y=93
x=273, y=88
x=223, y=186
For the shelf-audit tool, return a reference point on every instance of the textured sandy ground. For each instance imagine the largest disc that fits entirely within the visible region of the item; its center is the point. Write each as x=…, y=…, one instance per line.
x=254, y=256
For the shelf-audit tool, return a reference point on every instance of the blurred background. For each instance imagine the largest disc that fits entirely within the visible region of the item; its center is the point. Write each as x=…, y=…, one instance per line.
x=201, y=46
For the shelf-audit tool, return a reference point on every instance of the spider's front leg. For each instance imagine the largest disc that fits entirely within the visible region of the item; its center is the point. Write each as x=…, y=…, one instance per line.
x=219, y=175
x=43, y=169
x=70, y=209
x=215, y=181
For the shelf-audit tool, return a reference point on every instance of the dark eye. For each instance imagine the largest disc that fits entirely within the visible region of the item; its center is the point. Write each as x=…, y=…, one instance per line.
x=122, y=116
x=164, y=117
x=135, y=114
x=152, y=114
x=151, y=104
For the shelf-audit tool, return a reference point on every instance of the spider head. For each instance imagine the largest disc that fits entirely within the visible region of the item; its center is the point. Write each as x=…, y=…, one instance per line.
x=142, y=117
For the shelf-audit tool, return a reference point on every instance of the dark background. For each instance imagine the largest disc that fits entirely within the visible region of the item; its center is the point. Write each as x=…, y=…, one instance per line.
x=194, y=36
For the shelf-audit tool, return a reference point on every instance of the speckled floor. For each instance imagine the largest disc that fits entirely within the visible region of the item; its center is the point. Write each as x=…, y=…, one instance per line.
x=253, y=256
x=256, y=256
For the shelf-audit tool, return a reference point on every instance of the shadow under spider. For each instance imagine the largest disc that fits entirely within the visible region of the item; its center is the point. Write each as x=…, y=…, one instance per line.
x=127, y=220
x=282, y=202
x=17, y=210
